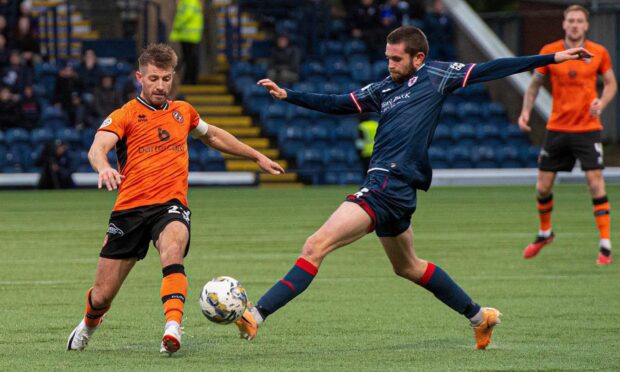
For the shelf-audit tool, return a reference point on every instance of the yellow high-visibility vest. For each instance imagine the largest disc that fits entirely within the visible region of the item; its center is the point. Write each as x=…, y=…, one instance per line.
x=188, y=22
x=369, y=130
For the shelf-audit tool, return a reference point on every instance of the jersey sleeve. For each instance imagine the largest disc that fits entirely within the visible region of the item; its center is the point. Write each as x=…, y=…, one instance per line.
x=194, y=117
x=368, y=98
x=449, y=76
x=605, y=62
x=115, y=123
x=543, y=70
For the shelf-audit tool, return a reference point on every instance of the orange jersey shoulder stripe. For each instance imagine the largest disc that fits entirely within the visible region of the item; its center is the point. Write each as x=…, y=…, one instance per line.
x=152, y=152
x=573, y=87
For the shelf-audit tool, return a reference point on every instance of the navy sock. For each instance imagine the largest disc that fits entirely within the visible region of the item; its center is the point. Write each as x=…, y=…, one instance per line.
x=447, y=291
x=295, y=282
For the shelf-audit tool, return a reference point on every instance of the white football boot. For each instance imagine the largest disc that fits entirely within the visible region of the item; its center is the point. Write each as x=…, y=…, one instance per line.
x=171, y=341
x=80, y=336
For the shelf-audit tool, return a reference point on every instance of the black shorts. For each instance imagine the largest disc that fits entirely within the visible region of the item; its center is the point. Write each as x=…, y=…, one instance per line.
x=561, y=149
x=130, y=231
x=389, y=201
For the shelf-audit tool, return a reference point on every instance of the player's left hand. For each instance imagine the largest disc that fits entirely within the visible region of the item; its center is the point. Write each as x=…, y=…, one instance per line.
x=596, y=107
x=572, y=54
x=269, y=165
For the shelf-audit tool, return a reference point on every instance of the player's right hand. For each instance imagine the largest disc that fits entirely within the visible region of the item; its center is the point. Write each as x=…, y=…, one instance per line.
x=524, y=119
x=273, y=89
x=110, y=178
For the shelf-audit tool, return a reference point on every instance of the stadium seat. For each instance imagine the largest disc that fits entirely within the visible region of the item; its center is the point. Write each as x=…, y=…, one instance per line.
x=317, y=135
x=442, y=137
x=12, y=163
x=211, y=160
x=508, y=156
x=354, y=46
x=529, y=156
x=460, y=157
x=2, y=139
x=489, y=135
x=332, y=88
x=305, y=86
x=470, y=112
x=380, y=70
x=291, y=139
x=484, y=157
x=312, y=68
x=53, y=117
x=14, y=136
x=70, y=136
x=361, y=72
x=449, y=111
x=331, y=48
x=464, y=134
x=438, y=157
x=242, y=83
x=88, y=136
x=41, y=136
x=310, y=163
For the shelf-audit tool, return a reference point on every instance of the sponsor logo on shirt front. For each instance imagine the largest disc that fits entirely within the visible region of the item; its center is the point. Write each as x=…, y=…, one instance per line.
x=389, y=104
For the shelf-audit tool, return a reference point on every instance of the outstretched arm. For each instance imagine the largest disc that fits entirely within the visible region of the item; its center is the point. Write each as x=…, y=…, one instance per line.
x=327, y=103
x=528, y=101
x=223, y=141
x=502, y=67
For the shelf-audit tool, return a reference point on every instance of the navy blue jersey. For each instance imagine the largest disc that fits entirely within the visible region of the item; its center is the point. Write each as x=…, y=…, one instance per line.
x=409, y=111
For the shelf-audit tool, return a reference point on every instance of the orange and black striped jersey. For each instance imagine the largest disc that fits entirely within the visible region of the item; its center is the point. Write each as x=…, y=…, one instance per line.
x=573, y=87
x=152, y=151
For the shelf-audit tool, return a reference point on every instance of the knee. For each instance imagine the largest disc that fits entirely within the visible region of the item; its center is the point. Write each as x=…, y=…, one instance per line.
x=100, y=299
x=412, y=270
x=543, y=191
x=314, y=248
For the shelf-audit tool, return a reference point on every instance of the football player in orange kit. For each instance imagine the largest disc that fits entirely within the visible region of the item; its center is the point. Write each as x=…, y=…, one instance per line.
x=574, y=128
x=150, y=136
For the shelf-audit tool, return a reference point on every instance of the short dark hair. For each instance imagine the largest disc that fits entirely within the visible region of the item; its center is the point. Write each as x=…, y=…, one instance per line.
x=159, y=55
x=413, y=38
x=577, y=8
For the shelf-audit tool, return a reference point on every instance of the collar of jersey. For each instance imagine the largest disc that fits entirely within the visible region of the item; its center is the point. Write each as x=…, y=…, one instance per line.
x=152, y=108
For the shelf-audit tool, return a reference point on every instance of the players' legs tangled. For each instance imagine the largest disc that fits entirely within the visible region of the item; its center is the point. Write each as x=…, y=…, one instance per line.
x=111, y=274
x=346, y=225
x=600, y=206
x=172, y=244
x=400, y=251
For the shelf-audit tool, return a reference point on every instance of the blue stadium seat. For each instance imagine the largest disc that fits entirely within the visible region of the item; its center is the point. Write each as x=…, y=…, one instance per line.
x=464, y=134
x=449, y=111
x=71, y=136
x=345, y=133
x=312, y=68
x=438, y=157
x=331, y=48
x=361, y=72
x=494, y=112
x=310, y=163
x=529, y=155
x=337, y=69
x=305, y=86
x=11, y=162
x=442, y=136
x=297, y=112
x=489, y=135
x=2, y=139
x=460, y=156
x=332, y=88
x=88, y=136
x=354, y=46
x=317, y=135
x=40, y=136
x=380, y=70
x=484, y=157
x=241, y=84
x=470, y=112
x=508, y=156
x=14, y=136
x=291, y=139
x=352, y=177
x=211, y=160
x=53, y=117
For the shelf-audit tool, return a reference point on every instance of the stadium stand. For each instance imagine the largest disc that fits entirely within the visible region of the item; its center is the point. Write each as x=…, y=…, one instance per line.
x=474, y=131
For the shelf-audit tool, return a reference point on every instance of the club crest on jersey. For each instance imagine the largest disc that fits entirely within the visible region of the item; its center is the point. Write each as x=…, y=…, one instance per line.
x=177, y=116
x=412, y=81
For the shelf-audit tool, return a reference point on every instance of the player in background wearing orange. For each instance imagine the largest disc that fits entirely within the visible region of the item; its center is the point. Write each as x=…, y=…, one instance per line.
x=574, y=128
x=150, y=137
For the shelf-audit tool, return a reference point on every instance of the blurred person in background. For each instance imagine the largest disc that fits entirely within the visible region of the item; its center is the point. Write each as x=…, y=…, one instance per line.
x=89, y=72
x=55, y=166
x=29, y=108
x=187, y=30
x=284, y=61
x=9, y=110
x=16, y=75
x=107, y=99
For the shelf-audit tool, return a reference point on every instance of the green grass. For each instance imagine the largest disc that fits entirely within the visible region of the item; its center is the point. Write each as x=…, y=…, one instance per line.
x=561, y=312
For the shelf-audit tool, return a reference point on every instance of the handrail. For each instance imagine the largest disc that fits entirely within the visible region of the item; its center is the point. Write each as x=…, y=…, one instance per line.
x=493, y=47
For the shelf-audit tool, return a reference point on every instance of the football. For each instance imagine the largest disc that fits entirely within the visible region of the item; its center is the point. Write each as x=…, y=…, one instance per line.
x=223, y=300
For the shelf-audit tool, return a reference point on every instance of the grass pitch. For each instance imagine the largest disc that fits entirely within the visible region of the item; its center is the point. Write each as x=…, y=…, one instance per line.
x=561, y=311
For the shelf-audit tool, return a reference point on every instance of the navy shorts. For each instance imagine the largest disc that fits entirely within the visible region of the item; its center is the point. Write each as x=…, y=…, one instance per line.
x=389, y=201
x=130, y=231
